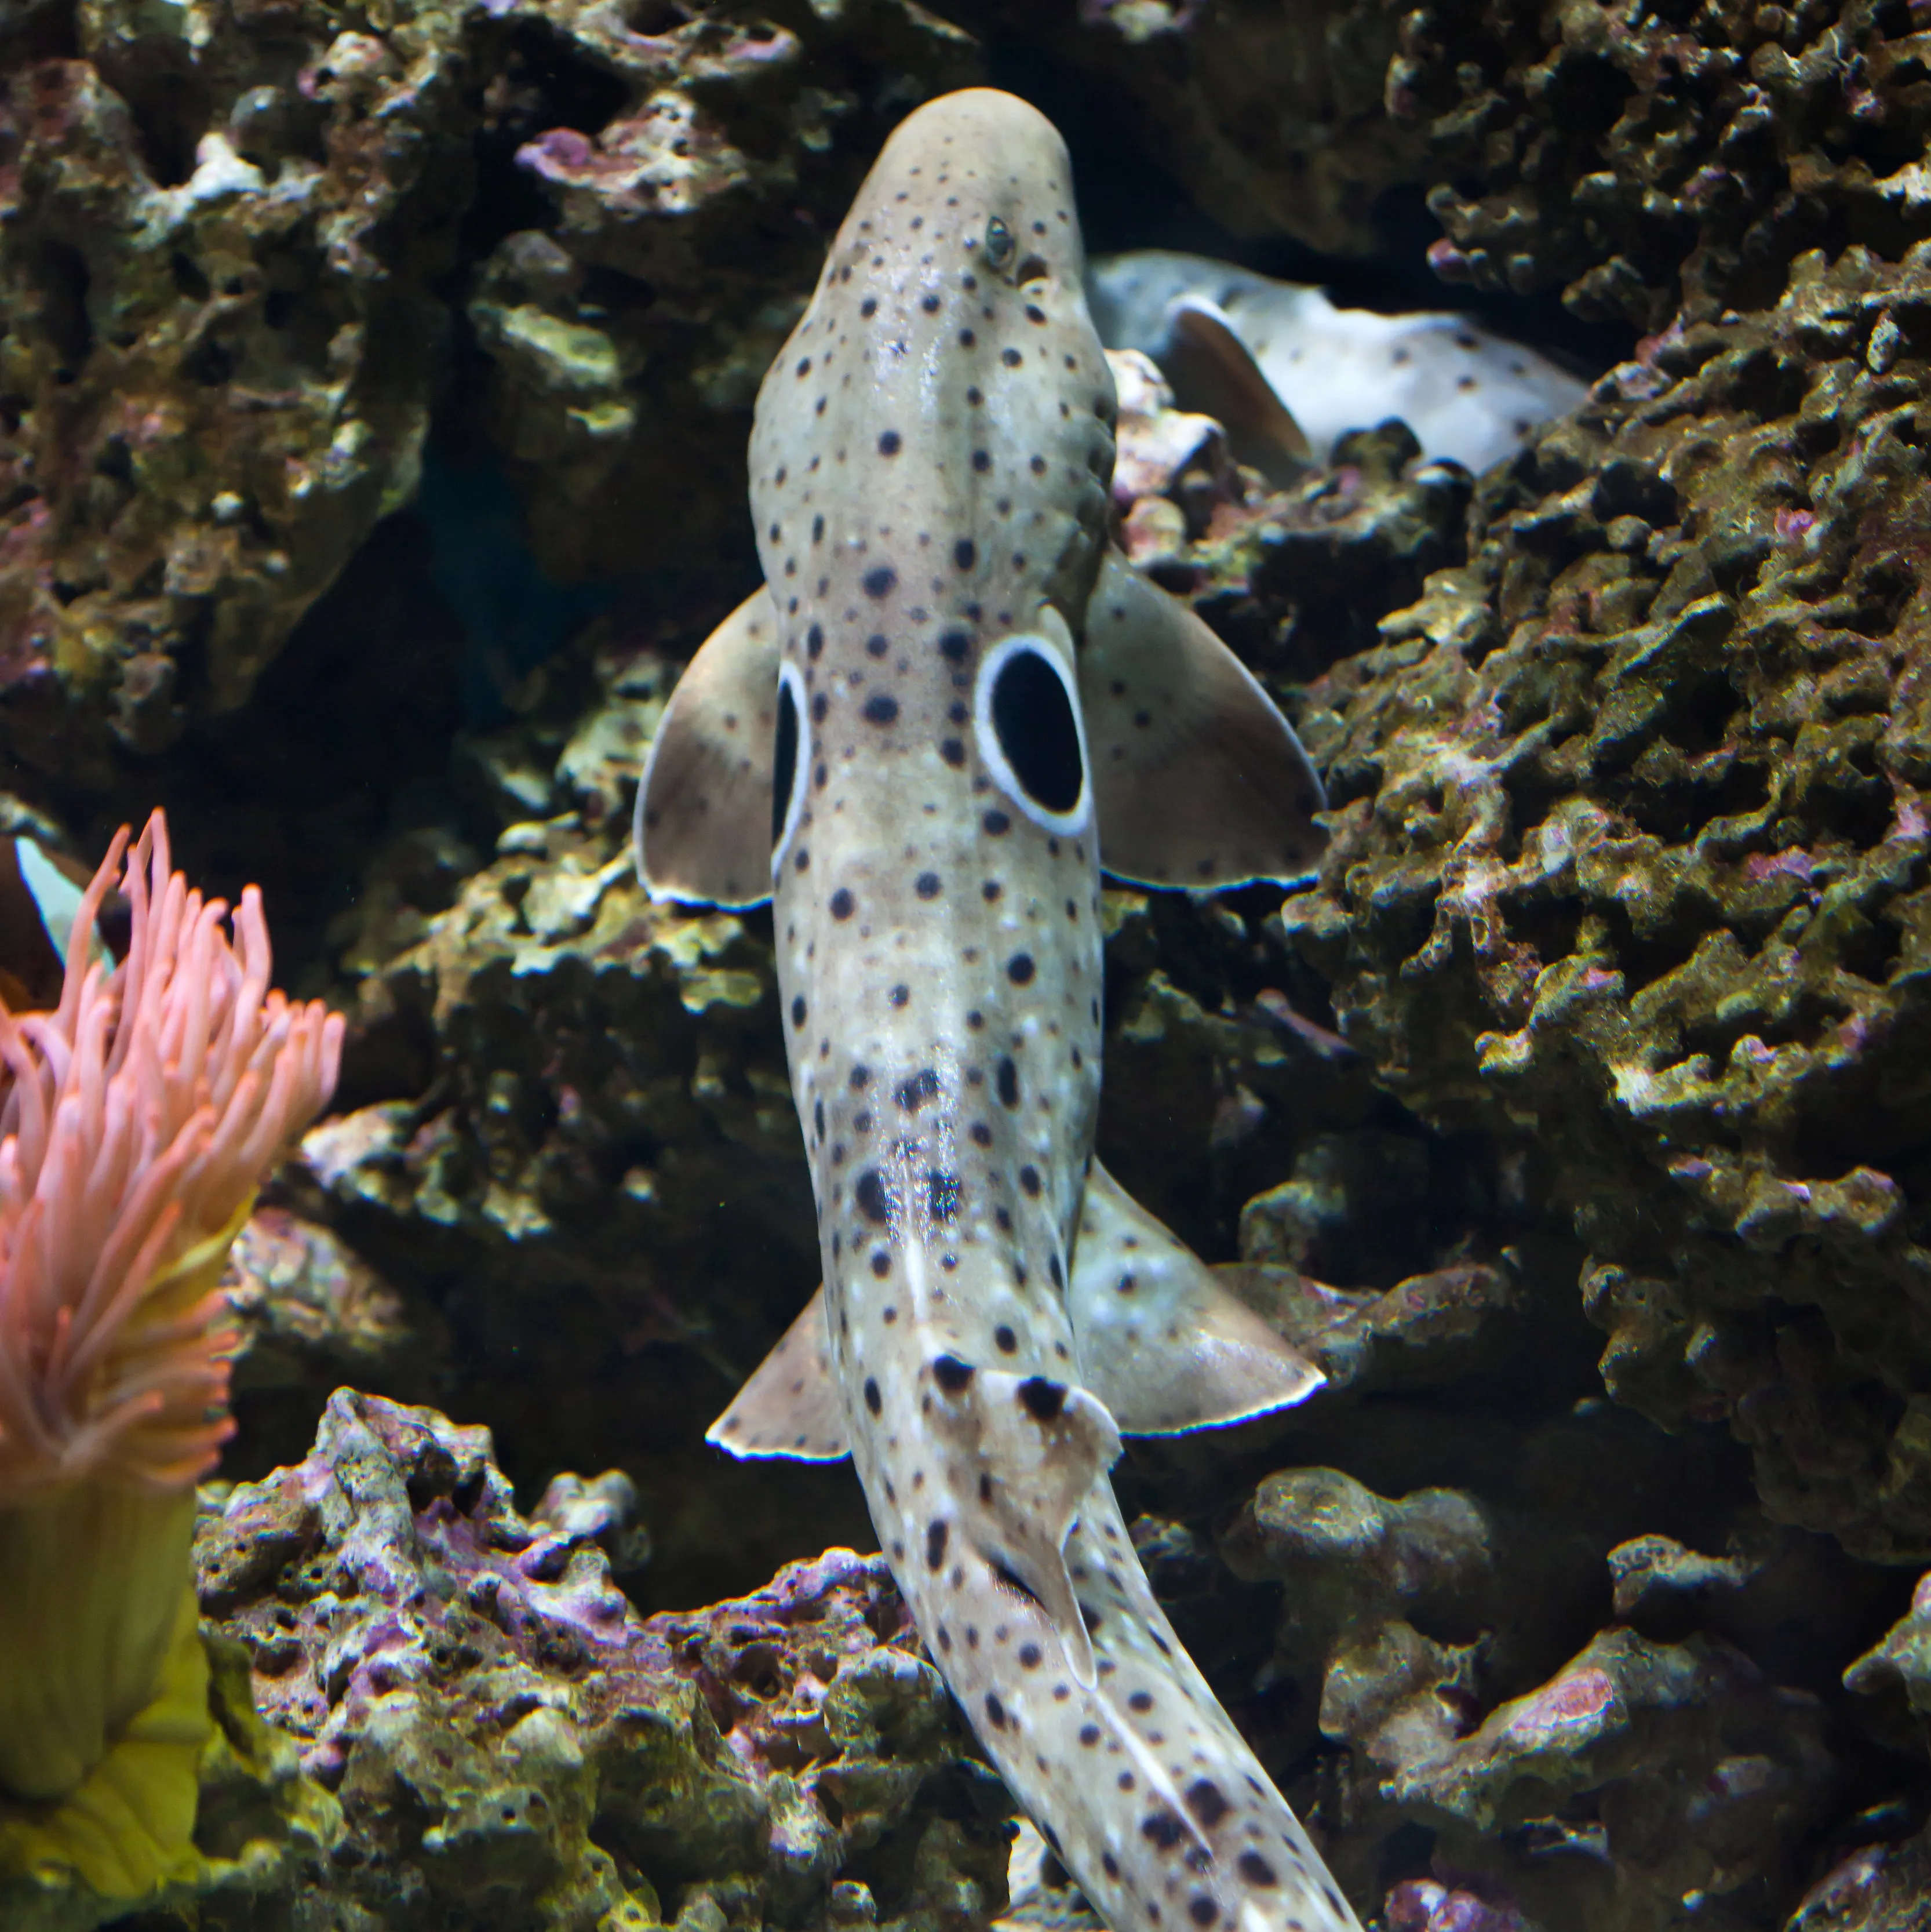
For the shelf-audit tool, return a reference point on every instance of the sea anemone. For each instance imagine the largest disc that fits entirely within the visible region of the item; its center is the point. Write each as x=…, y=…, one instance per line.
x=136, y=1120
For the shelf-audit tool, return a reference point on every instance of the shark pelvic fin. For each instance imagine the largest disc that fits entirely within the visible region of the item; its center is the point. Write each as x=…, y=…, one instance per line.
x=703, y=830
x=1161, y=1342
x=1198, y=780
x=790, y=1407
x=1022, y=1453
x=1214, y=373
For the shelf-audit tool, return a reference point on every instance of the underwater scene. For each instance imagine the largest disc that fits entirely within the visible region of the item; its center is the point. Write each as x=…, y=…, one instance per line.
x=965, y=966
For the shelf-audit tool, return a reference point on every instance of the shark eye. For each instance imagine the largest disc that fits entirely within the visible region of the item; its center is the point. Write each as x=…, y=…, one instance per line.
x=791, y=759
x=1028, y=722
x=999, y=244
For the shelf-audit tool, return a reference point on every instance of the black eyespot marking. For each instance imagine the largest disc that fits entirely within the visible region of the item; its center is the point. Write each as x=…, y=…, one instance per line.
x=889, y=443
x=880, y=581
x=1019, y=969
x=842, y=903
x=912, y=1094
x=1006, y=1080
x=927, y=885
x=951, y=1374
x=1042, y=1399
x=784, y=759
x=1033, y=719
x=881, y=708
x=870, y=1199
x=874, y=1400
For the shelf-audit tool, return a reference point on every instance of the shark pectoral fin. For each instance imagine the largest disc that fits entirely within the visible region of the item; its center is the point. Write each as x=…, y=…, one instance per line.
x=1022, y=1454
x=1214, y=373
x=1198, y=781
x=703, y=831
x=790, y=1407
x=1161, y=1342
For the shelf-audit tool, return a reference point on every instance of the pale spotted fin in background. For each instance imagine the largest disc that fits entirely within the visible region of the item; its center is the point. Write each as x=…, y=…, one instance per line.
x=703, y=808
x=1213, y=375
x=790, y=1408
x=1198, y=779
x=1160, y=1341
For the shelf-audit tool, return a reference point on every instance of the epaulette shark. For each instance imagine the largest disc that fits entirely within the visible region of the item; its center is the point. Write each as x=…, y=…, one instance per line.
x=948, y=707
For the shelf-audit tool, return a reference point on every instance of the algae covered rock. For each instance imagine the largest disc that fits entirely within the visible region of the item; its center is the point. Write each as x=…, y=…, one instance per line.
x=1627, y=866
x=509, y=1743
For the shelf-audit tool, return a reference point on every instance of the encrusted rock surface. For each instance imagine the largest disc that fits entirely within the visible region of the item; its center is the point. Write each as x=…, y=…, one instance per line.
x=1630, y=870
x=509, y=1744
x=1657, y=160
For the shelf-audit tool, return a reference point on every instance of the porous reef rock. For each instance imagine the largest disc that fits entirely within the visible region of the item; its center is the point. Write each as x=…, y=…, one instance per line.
x=1655, y=161
x=227, y=240
x=505, y=1742
x=1630, y=870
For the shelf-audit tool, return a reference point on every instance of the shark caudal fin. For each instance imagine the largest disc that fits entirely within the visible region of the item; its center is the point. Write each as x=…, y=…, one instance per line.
x=703, y=832
x=1198, y=780
x=1160, y=1341
x=790, y=1407
x=1213, y=372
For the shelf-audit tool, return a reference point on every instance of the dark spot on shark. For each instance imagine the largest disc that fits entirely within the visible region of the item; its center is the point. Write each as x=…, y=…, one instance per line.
x=868, y=308
x=814, y=640
x=1006, y=1078
x=900, y=994
x=818, y=1117
x=881, y=708
x=1256, y=1870
x=966, y=338
x=1108, y=1864
x=880, y=581
x=951, y=1374
x=912, y=1094
x=1007, y=1580
x=798, y=1010
x=1164, y=1828
x=956, y=646
x=1089, y=1735
x=982, y=1134
x=1141, y=1701
x=881, y=1262
x=991, y=890
x=936, y=1532
x=1004, y=1340
x=1201, y=1909
x=1011, y=358
x=985, y=1487
x=982, y=461
x=820, y=705
x=874, y=1400
x=965, y=553
x=927, y=885
x=1029, y=1180
x=995, y=1711
x=930, y=304
x=1054, y=1273
x=953, y=750
x=889, y=443
x=1019, y=969
x=1030, y=1656
x=878, y=644
x=1041, y=1400
x=1207, y=1801
x=841, y=904
x=941, y=1192
x=861, y=1077
x=996, y=823
x=871, y=1198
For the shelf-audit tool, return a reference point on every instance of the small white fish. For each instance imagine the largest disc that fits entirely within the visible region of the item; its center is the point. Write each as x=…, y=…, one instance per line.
x=950, y=701
x=1229, y=340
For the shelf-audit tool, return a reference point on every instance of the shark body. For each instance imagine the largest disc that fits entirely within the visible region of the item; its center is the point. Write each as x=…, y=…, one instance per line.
x=918, y=738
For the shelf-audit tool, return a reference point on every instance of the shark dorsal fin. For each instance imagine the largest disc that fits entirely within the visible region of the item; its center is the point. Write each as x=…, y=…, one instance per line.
x=790, y=1408
x=1213, y=373
x=1161, y=1342
x=703, y=830
x=1198, y=780
x=1022, y=1453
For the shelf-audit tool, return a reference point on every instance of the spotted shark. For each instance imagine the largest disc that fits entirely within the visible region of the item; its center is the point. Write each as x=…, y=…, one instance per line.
x=951, y=704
